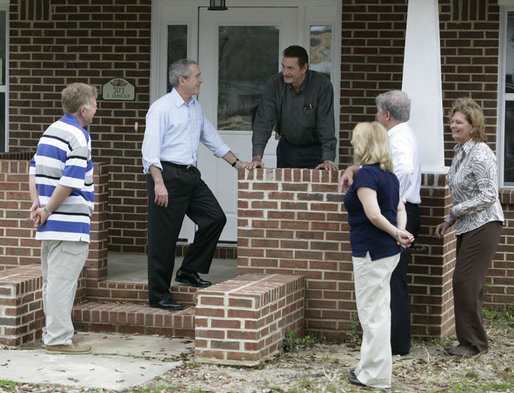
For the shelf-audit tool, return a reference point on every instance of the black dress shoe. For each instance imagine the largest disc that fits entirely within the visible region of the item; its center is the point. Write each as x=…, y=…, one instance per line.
x=355, y=381
x=352, y=373
x=167, y=304
x=191, y=279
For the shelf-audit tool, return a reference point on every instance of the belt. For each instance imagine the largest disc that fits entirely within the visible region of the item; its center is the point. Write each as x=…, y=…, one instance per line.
x=177, y=165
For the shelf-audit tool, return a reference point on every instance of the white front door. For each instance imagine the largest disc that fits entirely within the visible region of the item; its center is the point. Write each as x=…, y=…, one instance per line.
x=237, y=51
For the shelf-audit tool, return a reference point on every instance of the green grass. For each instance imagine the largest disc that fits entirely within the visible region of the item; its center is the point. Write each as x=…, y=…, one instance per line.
x=11, y=385
x=473, y=387
x=353, y=333
x=290, y=343
x=503, y=319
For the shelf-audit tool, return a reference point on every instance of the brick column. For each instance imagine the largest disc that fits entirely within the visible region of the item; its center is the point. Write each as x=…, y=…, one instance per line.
x=292, y=221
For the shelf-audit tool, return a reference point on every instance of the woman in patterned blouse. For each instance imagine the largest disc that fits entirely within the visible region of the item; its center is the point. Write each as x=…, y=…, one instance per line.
x=478, y=215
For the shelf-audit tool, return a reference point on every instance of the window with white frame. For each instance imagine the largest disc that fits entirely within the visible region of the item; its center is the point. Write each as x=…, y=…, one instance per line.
x=507, y=100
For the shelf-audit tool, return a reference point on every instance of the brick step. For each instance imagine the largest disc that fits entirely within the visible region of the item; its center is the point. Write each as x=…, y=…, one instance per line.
x=121, y=292
x=130, y=318
x=243, y=321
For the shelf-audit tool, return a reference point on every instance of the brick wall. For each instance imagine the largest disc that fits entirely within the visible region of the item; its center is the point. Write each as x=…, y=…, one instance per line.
x=21, y=305
x=17, y=236
x=87, y=41
x=373, y=41
x=292, y=221
x=244, y=321
x=499, y=287
x=94, y=41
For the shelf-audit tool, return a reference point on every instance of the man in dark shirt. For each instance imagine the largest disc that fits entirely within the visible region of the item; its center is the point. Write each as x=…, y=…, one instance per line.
x=300, y=103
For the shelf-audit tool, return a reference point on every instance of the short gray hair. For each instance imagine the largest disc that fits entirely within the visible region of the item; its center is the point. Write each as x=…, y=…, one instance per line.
x=179, y=68
x=77, y=95
x=396, y=102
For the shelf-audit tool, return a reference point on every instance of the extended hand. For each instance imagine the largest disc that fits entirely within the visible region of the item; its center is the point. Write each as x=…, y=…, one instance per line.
x=346, y=180
x=328, y=166
x=242, y=165
x=255, y=164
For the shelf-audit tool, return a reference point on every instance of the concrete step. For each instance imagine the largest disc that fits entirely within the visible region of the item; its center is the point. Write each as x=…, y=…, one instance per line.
x=130, y=318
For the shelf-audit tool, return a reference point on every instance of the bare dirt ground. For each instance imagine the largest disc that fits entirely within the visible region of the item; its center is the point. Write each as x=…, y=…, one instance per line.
x=324, y=367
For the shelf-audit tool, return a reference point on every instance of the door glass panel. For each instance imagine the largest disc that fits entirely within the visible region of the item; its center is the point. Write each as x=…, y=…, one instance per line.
x=321, y=49
x=509, y=143
x=248, y=56
x=177, y=46
x=509, y=77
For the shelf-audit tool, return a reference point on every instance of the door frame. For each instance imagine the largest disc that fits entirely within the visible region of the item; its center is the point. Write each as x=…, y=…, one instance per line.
x=187, y=12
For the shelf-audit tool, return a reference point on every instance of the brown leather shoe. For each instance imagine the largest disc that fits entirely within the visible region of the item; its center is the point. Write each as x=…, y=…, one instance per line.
x=73, y=349
x=461, y=351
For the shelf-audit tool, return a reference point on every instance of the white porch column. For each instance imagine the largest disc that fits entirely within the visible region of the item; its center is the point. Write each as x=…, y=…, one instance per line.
x=422, y=82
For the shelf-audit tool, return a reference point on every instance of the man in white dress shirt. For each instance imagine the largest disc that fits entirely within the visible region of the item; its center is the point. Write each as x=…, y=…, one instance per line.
x=175, y=124
x=393, y=112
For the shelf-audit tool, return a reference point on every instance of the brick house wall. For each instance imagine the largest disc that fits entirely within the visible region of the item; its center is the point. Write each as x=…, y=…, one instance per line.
x=93, y=41
x=373, y=41
x=90, y=42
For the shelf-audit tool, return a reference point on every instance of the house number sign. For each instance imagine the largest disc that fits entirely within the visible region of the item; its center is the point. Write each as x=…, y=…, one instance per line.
x=119, y=89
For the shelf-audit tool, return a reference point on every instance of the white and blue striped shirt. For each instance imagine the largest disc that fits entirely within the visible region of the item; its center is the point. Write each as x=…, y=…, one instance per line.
x=174, y=129
x=63, y=157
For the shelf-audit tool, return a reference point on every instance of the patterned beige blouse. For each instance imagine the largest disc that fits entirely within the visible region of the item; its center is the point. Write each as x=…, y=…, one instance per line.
x=474, y=187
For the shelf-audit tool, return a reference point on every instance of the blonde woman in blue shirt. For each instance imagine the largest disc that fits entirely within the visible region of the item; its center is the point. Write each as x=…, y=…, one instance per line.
x=377, y=219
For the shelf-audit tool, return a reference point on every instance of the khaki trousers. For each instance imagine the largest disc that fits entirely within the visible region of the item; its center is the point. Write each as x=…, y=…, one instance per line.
x=61, y=263
x=373, y=306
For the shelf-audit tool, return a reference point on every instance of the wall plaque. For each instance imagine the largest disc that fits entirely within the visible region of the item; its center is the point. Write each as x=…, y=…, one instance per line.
x=118, y=89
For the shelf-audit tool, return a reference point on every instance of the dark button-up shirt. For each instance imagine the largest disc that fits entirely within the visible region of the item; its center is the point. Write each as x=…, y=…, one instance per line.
x=303, y=118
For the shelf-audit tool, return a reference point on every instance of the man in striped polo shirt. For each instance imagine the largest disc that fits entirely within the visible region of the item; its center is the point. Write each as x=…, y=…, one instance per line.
x=62, y=194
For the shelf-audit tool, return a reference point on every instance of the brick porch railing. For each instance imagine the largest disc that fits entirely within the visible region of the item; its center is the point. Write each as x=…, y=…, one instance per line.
x=291, y=222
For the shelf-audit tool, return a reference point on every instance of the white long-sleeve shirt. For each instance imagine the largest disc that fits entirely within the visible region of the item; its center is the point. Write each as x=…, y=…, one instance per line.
x=406, y=163
x=173, y=131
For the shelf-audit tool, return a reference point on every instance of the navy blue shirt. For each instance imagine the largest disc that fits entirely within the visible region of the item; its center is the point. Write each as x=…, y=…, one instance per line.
x=364, y=236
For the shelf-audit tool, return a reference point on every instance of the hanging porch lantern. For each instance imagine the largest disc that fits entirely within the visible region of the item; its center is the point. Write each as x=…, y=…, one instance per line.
x=217, y=5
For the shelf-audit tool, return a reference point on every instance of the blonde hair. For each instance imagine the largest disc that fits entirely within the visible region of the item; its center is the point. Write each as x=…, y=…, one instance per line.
x=371, y=145
x=77, y=95
x=474, y=115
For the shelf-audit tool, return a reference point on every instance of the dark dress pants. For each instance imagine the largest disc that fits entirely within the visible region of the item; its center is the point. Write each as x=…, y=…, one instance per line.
x=187, y=195
x=293, y=156
x=475, y=251
x=400, y=305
